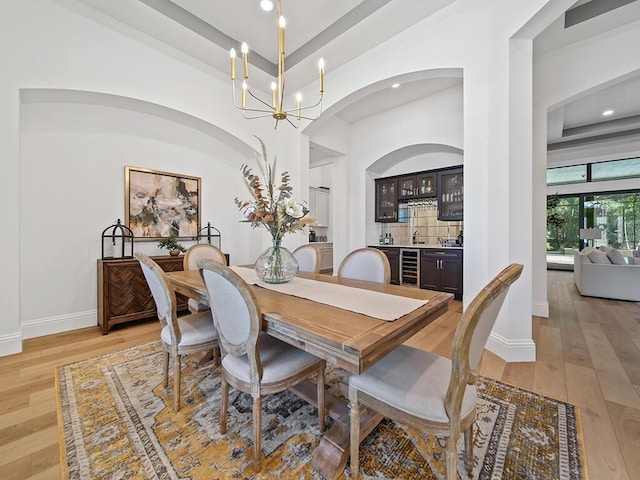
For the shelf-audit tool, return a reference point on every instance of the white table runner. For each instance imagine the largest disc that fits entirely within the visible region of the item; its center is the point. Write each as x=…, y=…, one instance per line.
x=383, y=306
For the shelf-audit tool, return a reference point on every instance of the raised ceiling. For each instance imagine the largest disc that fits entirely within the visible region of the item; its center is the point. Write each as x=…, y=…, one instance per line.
x=576, y=126
x=202, y=32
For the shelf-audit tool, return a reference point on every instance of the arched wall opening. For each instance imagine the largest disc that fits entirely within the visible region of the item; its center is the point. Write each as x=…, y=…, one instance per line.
x=74, y=146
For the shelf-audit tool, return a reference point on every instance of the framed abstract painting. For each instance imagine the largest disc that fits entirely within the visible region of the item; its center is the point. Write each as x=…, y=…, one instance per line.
x=160, y=204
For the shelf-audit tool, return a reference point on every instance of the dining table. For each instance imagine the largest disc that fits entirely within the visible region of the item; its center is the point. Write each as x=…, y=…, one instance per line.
x=348, y=339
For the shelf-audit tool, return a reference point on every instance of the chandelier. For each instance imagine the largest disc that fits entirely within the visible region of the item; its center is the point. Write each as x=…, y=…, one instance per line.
x=275, y=108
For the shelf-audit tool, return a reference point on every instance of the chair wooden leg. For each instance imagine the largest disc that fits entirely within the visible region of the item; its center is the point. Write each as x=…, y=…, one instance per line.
x=257, y=434
x=176, y=383
x=224, y=391
x=451, y=459
x=321, y=407
x=165, y=369
x=468, y=449
x=216, y=356
x=355, y=431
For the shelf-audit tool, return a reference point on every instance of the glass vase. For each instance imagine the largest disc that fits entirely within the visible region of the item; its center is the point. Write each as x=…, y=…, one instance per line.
x=276, y=264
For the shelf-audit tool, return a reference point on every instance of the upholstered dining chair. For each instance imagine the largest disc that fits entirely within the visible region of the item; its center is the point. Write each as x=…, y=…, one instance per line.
x=253, y=362
x=368, y=264
x=308, y=257
x=195, y=253
x=180, y=336
x=428, y=391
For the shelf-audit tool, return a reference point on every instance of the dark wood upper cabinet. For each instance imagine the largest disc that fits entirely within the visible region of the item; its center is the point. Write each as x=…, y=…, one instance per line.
x=394, y=193
x=417, y=186
x=386, y=200
x=450, y=194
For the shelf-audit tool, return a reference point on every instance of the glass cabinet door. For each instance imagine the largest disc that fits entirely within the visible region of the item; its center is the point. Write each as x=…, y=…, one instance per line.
x=386, y=200
x=450, y=194
x=407, y=187
x=426, y=185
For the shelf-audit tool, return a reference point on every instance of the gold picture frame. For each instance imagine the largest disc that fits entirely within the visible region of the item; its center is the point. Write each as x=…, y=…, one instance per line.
x=158, y=204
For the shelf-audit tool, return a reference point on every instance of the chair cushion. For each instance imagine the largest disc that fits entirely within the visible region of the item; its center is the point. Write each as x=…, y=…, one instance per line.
x=413, y=381
x=279, y=361
x=615, y=256
x=598, y=256
x=196, y=329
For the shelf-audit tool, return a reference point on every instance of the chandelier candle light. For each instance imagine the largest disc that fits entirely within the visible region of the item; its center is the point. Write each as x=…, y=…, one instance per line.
x=276, y=108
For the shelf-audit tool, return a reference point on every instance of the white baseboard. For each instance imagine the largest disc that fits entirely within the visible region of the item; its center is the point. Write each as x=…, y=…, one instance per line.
x=10, y=344
x=60, y=323
x=540, y=309
x=512, y=350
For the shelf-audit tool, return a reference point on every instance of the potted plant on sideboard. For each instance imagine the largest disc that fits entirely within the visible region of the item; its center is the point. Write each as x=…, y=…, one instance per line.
x=171, y=243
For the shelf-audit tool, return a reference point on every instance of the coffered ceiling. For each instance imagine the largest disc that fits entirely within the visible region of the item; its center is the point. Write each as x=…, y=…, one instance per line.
x=579, y=125
x=203, y=31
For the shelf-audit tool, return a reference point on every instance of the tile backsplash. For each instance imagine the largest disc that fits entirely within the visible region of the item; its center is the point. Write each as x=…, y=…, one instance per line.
x=421, y=225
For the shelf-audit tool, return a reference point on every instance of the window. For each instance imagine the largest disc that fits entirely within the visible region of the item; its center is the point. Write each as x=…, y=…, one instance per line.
x=594, y=172
x=617, y=215
x=563, y=223
x=627, y=168
x=561, y=175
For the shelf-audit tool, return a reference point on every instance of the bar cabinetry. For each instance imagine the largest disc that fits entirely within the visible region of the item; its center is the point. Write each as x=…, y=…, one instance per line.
x=393, y=255
x=450, y=194
x=386, y=200
x=417, y=186
x=441, y=269
x=123, y=293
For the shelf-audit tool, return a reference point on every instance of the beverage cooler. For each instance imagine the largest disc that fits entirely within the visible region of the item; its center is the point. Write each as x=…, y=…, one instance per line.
x=410, y=267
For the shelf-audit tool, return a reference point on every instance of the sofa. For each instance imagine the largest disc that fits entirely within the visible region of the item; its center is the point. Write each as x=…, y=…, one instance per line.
x=605, y=273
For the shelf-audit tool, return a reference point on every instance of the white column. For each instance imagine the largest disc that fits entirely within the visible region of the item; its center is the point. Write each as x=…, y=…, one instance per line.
x=10, y=334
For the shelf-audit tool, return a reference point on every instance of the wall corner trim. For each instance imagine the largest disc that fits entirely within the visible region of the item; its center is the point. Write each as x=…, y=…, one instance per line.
x=10, y=344
x=540, y=309
x=60, y=323
x=519, y=350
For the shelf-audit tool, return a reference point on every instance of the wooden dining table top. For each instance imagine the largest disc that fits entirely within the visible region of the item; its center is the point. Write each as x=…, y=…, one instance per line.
x=350, y=340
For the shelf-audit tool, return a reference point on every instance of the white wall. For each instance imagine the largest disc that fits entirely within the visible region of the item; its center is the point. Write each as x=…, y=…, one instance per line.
x=71, y=188
x=321, y=176
x=436, y=119
x=427, y=161
x=59, y=161
x=474, y=37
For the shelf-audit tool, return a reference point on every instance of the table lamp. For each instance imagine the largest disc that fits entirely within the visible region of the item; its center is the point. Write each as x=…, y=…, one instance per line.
x=590, y=234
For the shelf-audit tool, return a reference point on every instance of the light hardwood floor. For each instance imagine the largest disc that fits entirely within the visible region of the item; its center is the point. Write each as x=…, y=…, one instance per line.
x=588, y=354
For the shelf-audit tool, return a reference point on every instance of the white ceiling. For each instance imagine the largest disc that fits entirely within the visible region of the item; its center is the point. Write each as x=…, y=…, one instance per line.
x=202, y=32
x=578, y=124
x=243, y=20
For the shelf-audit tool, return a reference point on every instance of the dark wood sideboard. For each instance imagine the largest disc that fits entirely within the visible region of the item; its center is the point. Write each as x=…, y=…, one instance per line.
x=123, y=293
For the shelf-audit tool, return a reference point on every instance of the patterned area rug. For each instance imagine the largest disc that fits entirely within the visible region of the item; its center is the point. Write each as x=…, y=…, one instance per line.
x=117, y=421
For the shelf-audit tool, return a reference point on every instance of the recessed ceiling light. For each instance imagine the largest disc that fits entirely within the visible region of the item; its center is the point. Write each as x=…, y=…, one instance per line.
x=395, y=85
x=606, y=113
x=266, y=5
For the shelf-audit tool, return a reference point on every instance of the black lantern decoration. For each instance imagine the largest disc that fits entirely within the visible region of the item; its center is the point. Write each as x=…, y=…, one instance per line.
x=117, y=241
x=211, y=235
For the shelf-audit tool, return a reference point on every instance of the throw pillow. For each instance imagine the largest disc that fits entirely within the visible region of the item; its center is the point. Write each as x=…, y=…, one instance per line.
x=615, y=256
x=634, y=261
x=588, y=250
x=598, y=256
x=636, y=253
